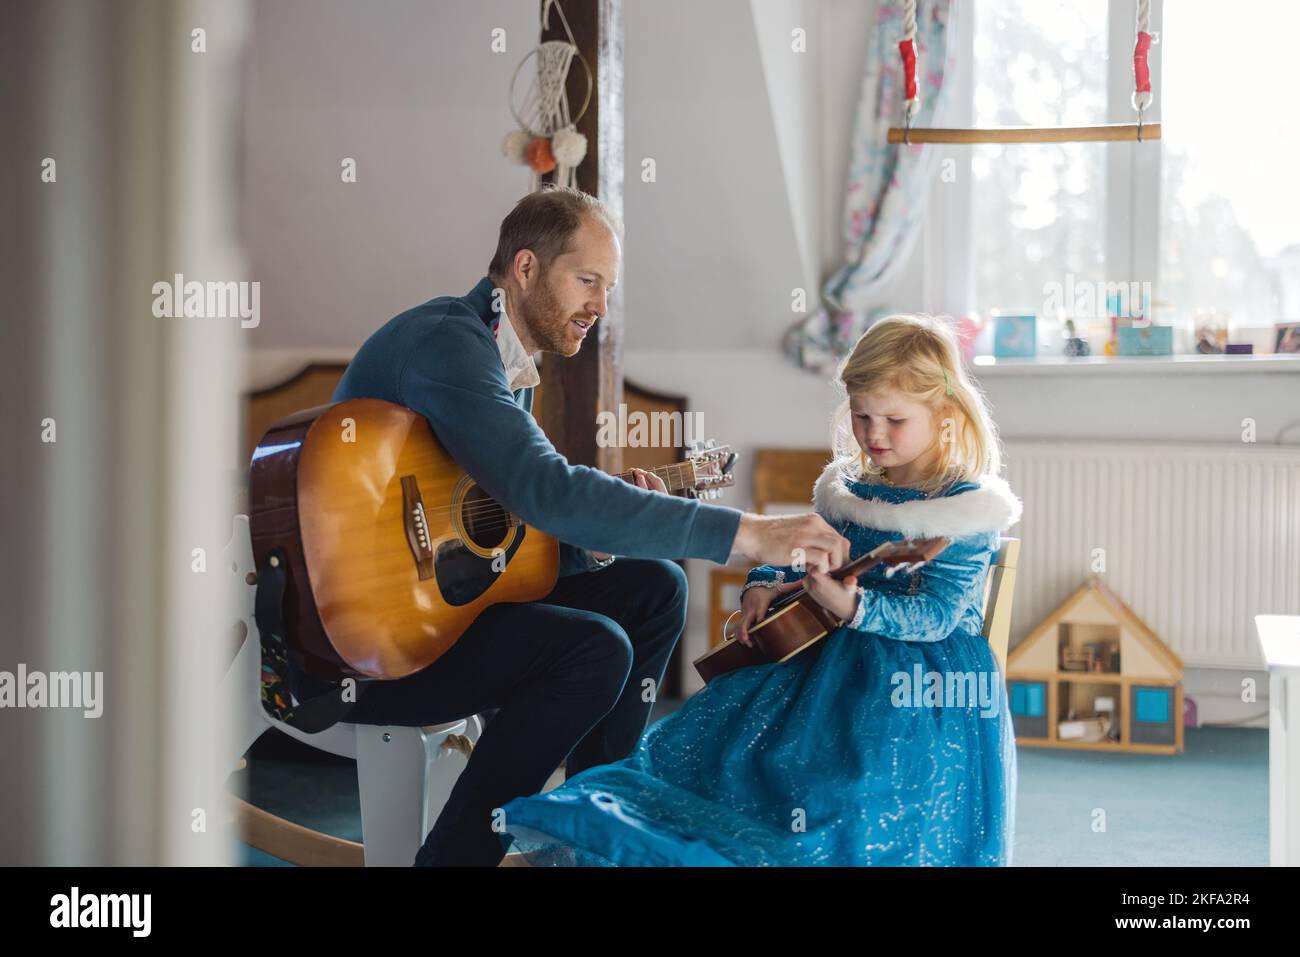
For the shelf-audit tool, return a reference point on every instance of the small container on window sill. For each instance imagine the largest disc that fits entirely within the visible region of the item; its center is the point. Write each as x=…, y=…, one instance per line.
x=1239, y=349
x=1015, y=336
x=1150, y=340
x=1075, y=345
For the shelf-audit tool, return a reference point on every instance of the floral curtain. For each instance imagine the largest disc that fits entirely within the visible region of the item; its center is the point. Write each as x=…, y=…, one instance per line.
x=888, y=185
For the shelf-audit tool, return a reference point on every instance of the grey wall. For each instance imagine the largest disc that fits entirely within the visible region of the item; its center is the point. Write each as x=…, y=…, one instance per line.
x=412, y=91
x=419, y=99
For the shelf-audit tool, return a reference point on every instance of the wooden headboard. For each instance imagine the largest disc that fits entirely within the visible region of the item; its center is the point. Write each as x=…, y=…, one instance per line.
x=787, y=476
x=314, y=385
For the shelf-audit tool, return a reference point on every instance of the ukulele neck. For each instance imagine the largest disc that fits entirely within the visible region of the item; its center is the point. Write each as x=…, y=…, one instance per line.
x=856, y=567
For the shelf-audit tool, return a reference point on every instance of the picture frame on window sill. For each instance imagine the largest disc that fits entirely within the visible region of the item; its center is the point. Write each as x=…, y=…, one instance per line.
x=1286, y=337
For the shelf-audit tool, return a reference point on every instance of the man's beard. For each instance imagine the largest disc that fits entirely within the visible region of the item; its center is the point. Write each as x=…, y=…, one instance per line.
x=545, y=319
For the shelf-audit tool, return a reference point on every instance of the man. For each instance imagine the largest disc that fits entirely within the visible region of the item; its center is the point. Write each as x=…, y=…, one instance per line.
x=566, y=674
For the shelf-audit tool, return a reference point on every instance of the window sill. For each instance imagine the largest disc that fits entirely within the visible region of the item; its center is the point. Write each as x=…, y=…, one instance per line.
x=1267, y=363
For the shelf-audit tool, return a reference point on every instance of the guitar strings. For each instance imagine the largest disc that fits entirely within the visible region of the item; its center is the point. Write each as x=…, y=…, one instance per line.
x=480, y=511
x=492, y=509
x=488, y=505
x=491, y=504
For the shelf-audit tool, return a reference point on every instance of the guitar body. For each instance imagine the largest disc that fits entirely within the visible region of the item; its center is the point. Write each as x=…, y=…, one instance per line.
x=392, y=549
x=792, y=628
x=378, y=591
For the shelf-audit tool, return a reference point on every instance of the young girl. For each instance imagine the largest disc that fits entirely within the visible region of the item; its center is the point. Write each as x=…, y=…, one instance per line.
x=890, y=741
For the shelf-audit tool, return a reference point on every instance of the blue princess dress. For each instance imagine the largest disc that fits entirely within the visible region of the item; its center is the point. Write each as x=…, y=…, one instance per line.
x=889, y=742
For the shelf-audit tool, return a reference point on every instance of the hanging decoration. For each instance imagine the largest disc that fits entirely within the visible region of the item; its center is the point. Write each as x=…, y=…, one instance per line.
x=547, y=138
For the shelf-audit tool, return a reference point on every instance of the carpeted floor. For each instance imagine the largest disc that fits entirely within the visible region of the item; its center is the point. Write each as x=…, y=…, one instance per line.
x=1205, y=807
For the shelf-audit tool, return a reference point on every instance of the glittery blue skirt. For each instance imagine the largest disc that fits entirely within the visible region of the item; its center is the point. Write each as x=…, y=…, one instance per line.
x=863, y=751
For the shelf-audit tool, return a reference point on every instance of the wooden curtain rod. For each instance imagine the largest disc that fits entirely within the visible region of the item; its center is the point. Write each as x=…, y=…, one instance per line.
x=1114, y=132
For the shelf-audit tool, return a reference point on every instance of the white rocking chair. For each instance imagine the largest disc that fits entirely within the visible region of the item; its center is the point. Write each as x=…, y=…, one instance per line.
x=404, y=774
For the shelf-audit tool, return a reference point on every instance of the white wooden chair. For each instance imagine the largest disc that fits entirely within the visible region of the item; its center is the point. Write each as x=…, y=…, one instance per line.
x=999, y=592
x=404, y=774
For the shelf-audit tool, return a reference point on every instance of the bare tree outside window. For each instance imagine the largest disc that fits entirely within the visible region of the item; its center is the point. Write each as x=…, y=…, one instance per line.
x=1227, y=247
x=1230, y=204
x=1039, y=209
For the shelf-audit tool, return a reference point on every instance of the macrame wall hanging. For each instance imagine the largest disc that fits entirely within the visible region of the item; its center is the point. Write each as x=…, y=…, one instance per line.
x=547, y=138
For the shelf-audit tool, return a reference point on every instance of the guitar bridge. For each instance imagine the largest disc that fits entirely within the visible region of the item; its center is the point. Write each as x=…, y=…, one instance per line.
x=416, y=526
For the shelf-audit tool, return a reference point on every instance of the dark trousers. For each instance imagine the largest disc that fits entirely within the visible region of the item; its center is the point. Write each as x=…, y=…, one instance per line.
x=567, y=676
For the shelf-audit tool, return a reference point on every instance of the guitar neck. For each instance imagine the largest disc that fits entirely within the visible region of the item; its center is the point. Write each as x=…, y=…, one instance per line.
x=678, y=476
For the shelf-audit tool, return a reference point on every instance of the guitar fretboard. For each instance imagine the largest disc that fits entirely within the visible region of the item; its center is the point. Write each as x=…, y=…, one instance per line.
x=676, y=477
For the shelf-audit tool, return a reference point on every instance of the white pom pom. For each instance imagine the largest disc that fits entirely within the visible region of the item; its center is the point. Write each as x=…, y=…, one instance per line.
x=515, y=144
x=569, y=147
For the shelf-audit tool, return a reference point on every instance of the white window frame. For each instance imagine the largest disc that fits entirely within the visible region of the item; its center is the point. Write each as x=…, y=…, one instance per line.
x=1132, y=214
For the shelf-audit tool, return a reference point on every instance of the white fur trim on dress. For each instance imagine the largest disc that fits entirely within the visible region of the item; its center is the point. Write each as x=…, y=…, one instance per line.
x=991, y=507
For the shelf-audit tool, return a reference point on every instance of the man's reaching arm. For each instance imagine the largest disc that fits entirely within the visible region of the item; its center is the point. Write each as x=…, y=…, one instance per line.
x=454, y=378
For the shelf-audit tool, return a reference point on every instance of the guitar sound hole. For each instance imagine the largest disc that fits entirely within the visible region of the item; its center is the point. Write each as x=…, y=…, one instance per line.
x=484, y=520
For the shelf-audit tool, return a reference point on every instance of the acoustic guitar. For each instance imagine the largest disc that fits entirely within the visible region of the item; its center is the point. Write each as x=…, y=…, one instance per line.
x=795, y=621
x=387, y=549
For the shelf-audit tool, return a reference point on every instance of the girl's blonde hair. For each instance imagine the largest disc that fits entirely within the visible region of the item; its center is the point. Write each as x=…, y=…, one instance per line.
x=918, y=356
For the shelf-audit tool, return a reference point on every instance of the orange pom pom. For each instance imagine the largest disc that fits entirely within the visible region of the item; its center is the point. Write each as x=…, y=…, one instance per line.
x=539, y=155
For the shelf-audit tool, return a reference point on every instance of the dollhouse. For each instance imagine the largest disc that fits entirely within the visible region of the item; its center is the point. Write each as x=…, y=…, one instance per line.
x=1093, y=675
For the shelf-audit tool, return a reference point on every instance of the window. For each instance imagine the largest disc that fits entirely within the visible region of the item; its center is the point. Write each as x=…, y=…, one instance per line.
x=1206, y=224
x=1229, y=204
x=1036, y=206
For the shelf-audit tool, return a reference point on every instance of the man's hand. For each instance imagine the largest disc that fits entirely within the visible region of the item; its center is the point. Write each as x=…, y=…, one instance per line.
x=645, y=480
x=655, y=483
x=780, y=539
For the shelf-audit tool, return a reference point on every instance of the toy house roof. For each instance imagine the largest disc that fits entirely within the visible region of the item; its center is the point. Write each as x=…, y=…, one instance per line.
x=1082, y=607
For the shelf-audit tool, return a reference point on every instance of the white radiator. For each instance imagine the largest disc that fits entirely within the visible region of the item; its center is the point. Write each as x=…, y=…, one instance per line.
x=1198, y=539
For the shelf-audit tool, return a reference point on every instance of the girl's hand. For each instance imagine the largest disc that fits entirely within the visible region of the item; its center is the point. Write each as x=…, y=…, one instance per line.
x=754, y=606
x=839, y=598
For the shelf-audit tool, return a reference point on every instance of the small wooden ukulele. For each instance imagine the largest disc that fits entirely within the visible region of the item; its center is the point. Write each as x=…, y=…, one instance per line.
x=795, y=621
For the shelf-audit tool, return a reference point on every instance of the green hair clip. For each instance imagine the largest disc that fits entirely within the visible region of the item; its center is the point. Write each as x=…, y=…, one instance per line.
x=947, y=386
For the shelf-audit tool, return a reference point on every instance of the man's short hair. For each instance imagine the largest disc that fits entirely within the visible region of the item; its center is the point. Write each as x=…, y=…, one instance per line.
x=545, y=221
